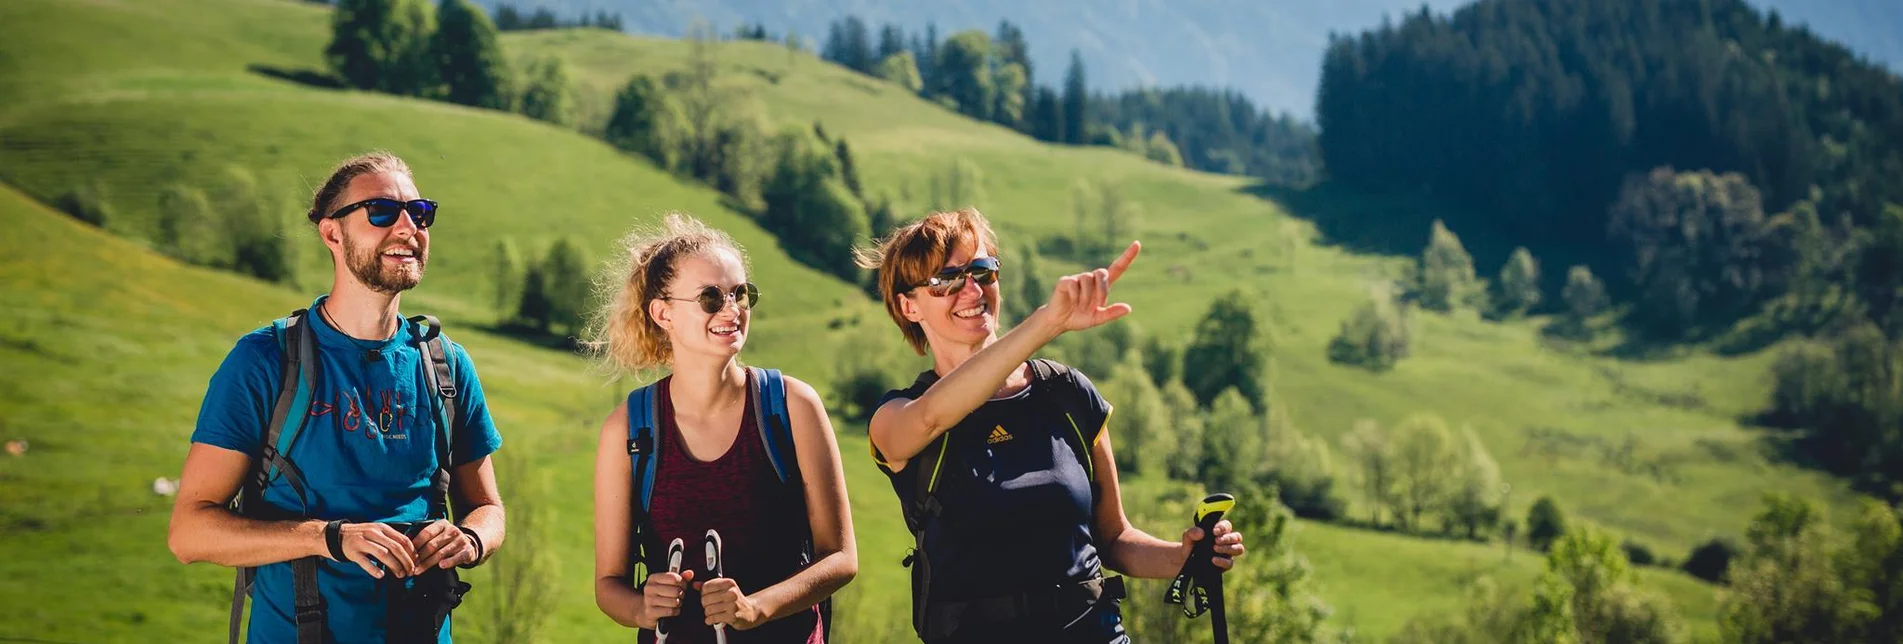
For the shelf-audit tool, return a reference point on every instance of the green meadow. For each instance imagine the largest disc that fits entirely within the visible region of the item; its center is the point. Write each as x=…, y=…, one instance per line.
x=106, y=344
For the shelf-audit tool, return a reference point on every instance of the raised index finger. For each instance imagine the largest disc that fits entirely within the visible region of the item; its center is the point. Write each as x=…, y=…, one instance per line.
x=1123, y=261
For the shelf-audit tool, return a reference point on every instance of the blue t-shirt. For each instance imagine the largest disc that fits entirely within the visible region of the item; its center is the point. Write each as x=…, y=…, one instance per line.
x=367, y=452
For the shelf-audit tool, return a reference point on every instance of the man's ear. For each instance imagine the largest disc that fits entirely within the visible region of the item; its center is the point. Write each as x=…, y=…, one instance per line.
x=332, y=232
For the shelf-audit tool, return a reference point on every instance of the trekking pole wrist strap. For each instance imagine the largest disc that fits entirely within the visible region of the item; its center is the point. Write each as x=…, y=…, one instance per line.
x=476, y=539
x=334, y=539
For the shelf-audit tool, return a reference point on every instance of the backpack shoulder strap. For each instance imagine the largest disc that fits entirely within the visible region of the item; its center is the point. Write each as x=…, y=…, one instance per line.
x=297, y=347
x=644, y=451
x=775, y=426
x=1047, y=372
x=297, y=344
x=437, y=374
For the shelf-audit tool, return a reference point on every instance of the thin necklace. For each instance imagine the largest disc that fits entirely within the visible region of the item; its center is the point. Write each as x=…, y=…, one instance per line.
x=324, y=310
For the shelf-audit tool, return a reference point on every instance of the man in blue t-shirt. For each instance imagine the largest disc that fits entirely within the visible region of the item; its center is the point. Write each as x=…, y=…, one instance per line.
x=367, y=449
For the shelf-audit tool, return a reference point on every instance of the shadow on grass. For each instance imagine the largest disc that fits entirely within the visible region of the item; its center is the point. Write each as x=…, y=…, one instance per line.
x=306, y=77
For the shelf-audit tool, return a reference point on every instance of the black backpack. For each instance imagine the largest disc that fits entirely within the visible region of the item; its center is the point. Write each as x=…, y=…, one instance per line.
x=297, y=344
x=924, y=506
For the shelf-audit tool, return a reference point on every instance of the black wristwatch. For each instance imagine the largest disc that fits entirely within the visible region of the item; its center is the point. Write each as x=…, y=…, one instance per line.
x=476, y=538
x=334, y=538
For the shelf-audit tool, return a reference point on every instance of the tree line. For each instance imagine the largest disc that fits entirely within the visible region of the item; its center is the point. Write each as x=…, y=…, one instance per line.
x=1550, y=119
x=509, y=18
x=991, y=77
x=1216, y=130
x=799, y=183
x=449, y=52
x=1537, y=111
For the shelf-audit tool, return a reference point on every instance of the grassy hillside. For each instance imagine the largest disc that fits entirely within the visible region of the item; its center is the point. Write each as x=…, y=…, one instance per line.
x=105, y=346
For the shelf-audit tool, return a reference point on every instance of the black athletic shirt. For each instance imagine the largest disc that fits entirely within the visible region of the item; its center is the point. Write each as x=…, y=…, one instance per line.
x=1017, y=501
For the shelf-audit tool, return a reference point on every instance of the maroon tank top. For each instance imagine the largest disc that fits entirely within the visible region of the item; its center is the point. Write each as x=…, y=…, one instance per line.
x=762, y=524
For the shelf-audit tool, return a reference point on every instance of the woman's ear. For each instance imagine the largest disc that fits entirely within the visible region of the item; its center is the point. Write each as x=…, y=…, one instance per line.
x=909, y=307
x=658, y=311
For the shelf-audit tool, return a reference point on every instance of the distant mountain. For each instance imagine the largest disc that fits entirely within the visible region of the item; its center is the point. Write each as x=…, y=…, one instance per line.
x=1268, y=49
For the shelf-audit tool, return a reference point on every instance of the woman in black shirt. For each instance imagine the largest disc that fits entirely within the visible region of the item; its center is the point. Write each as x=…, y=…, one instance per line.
x=1001, y=461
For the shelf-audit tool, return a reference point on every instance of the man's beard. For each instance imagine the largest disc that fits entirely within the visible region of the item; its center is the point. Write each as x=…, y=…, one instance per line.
x=366, y=262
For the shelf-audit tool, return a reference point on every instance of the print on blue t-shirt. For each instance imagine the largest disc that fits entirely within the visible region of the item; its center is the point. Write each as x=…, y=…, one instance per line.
x=367, y=452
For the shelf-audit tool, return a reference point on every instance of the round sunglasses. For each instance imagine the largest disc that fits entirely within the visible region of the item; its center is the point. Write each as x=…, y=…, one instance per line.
x=712, y=299
x=383, y=212
x=983, y=270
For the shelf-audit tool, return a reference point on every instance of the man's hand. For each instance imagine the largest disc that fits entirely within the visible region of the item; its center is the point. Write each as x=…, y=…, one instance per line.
x=442, y=545
x=369, y=544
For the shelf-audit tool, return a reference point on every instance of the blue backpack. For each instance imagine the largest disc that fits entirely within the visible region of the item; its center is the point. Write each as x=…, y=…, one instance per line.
x=776, y=431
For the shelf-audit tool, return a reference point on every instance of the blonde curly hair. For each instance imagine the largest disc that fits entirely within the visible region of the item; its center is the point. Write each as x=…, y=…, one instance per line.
x=624, y=337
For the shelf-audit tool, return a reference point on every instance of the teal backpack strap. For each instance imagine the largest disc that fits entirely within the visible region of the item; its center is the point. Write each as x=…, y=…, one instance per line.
x=644, y=452
x=297, y=345
x=436, y=373
x=299, y=380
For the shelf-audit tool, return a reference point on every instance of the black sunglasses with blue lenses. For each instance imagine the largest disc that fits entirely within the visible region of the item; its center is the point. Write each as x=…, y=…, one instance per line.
x=383, y=212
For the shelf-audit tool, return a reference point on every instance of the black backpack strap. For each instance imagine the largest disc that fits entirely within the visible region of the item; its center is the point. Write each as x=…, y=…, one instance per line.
x=1049, y=373
x=309, y=606
x=436, y=373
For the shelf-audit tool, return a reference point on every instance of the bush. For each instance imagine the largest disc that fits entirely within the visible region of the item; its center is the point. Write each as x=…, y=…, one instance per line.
x=1638, y=553
x=549, y=96
x=1228, y=352
x=1447, y=272
x=87, y=203
x=646, y=120
x=1376, y=337
x=1544, y=523
x=188, y=229
x=1518, y=289
x=1711, y=560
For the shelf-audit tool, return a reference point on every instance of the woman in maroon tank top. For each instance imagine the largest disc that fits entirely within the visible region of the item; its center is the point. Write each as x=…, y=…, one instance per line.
x=684, y=304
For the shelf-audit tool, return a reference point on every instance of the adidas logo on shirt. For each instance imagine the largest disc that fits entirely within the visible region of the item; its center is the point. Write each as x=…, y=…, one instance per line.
x=998, y=435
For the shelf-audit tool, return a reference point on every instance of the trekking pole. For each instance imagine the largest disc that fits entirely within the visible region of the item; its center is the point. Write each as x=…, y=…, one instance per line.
x=716, y=572
x=1198, y=587
x=675, y=552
